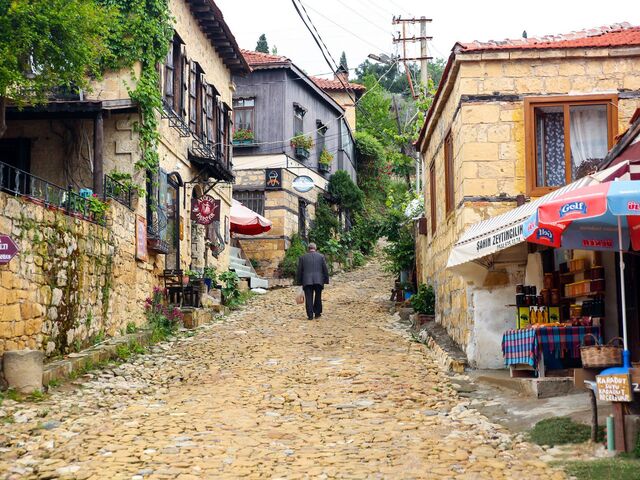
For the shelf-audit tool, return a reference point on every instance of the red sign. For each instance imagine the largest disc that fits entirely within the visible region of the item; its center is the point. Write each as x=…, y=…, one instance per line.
x=205, y=210
x=8, y=249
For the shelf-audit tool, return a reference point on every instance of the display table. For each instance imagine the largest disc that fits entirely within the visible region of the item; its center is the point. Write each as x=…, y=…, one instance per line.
x=528, y=346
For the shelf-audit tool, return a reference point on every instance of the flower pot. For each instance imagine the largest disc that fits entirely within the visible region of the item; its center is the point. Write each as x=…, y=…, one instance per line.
x=323, y=167
x=207, y=282
x=302, y=153
x=185, y=280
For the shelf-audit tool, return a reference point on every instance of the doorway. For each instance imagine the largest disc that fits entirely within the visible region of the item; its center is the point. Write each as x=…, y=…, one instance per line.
x=632, y=284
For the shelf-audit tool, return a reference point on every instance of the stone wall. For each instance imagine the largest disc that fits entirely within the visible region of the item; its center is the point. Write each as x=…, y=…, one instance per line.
x=483, y=106
x=72, y=281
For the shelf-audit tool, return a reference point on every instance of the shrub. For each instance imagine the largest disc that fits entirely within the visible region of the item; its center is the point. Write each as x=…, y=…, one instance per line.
x=289, y=264
x=325, y=157
x=230, y=291
x=345, y=193
x=162, y=319
x=302, y=141
x=424, y=301
x=558, y=431
x=325, y=226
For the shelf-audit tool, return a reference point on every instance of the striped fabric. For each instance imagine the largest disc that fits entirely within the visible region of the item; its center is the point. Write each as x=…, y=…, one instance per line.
x=520, y=347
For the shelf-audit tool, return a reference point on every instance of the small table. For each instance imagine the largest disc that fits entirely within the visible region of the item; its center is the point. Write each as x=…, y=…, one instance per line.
x=527, y=345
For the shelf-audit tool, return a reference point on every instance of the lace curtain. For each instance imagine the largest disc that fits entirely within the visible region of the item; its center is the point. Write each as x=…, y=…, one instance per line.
x=589, y=142
x=550, y=139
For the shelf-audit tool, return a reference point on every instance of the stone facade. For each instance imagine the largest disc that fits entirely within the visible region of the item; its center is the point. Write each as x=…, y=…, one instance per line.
x=74, y=280
x=71, y=281
x=482, y=105
x=282, y=208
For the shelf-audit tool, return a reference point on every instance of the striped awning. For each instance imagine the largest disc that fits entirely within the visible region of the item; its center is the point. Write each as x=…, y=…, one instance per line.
x=504, y=231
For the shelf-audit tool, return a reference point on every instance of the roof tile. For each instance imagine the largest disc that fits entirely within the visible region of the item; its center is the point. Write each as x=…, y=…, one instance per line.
x=616, y=35
x=334, y=84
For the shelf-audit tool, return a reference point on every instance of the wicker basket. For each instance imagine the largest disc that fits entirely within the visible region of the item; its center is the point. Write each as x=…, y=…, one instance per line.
x=598, y=355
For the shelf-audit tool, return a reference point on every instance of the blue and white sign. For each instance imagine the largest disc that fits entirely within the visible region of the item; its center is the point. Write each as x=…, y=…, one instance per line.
x=303, y=184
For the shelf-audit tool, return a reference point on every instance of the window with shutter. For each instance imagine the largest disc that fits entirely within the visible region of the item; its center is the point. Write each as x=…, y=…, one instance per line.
x=211, y=132
x=202, y=108
x=193, y=96
x=184, y=81
x=169, y=75
x=432, y=193
x=220, y=133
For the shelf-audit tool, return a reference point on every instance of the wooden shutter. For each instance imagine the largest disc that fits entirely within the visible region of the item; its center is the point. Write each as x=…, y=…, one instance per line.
x=210, y=124
x=185, y=84
x=193, y=97
x=202, y=108
x=448, y=172
x=169, y=76
x=432, y=194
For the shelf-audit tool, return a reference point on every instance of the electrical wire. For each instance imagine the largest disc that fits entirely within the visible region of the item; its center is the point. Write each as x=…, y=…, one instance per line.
x=365, y=18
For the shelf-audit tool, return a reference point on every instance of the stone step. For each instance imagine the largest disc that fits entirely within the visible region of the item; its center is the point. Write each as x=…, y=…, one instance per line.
x=256, y=282
x=238, y=261
x=241, y=268
x=235, y=252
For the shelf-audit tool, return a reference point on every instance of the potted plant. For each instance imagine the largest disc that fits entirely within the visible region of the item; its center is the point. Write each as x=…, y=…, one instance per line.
x=325, y=160
x=243, y=136
x=424, y=304
x=302, y=144
x=210, y=277
x=97, y=209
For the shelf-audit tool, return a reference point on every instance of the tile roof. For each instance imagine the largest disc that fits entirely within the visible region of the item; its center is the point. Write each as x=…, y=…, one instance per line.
x=255, y=59
x=333, y=84
x=616, y=35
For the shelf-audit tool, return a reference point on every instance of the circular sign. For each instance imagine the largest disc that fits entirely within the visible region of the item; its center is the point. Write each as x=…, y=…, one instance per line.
x=303, y=183
x=205, y=210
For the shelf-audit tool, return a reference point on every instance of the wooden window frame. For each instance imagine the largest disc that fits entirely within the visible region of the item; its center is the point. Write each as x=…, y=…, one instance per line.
x=566, y=101
x=251, y=109
x=432, y=197
x=448, y=173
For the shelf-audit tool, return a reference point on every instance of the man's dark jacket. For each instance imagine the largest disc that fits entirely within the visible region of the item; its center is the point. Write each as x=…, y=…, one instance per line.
x=312, y=269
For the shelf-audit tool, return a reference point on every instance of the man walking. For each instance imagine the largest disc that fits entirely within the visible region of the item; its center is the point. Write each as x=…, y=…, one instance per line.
x=313, y=275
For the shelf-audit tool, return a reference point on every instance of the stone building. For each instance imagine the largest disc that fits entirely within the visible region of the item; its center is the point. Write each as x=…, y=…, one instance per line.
x=272, y=105
x=77, y=278
x=511, y=121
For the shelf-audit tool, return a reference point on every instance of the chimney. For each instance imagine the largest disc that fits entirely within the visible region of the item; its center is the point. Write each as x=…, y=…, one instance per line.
x=342, y=74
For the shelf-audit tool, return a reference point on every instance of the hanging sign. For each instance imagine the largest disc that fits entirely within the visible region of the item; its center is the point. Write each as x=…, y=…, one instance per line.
x=141, y=238
x=303, y=184
x=205, y=210
x=8, y=249
x=614, y=388
x=273, y=178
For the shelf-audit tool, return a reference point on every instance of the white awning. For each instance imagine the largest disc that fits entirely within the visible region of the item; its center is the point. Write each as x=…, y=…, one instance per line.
x=503, y=231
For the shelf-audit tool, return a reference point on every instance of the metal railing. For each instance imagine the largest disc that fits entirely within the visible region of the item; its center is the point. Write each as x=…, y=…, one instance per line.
x=175, y=120
x=20, y=183
x=118, y=191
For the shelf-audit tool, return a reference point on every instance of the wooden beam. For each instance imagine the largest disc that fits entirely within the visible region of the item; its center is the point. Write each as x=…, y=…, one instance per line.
x=98, y=152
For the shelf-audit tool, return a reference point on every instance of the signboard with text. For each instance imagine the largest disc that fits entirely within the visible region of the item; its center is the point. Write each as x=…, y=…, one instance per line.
x=614, y=388
x=8, y=249
x=205, y=210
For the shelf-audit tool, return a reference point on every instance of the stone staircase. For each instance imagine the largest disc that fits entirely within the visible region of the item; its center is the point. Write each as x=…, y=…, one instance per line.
x=244, y=269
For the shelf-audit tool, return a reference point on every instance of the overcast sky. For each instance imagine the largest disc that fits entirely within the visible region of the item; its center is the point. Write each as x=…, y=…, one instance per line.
x=360, y=27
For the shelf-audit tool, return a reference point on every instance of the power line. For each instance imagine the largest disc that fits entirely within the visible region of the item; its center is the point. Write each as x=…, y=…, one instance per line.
x=365, y=18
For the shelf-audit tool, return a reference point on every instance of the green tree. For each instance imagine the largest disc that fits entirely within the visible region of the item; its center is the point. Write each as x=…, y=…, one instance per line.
x=262, y=45
x=374, y=114
x=345, y=193
x=343, y=61
x=274, y=50
x=47, y=44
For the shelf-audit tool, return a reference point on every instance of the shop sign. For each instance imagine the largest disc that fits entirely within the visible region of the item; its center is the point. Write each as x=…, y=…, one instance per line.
x=303, y=184
x=273, y=179
x=614, y=388
x=205, y=210
x=8, y=249
x=500, y=240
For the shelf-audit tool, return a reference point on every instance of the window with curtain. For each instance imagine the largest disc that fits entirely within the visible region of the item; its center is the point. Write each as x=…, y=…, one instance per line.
x=567, y=139
x=320, y=137
x=243, y=113
x=298, y=119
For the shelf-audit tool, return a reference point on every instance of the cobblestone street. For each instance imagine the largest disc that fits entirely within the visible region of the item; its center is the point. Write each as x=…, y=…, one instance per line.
x=267, y=394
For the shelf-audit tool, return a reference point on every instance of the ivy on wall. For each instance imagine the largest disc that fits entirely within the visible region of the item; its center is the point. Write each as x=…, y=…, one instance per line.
x=141, y=31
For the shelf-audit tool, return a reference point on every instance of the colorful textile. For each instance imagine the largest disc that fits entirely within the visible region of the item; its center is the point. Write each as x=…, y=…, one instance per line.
x=523, y=346
x=520, y=347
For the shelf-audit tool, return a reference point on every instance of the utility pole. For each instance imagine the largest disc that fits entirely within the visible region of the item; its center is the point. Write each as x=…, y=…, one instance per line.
x=423, y=39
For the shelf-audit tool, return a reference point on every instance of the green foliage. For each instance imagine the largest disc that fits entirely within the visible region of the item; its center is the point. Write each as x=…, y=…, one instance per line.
x=131, y=327
x=123, y=352
x=162, y=319
x=140, y=31
x=609, y=468
x=302, y=141
x=136, y=348
x=126, y=180
x=400, y=251
x=53, y=383
x=49, y=44
x=289, y=264
x=262, y=45
x=326, y=225
x=211, y=274
x=374, y=114
x=343, y=61
x=230, y=292
x=243, y=134
x=559, y=431
x=424, y=301
x=325, y=157
x=99, y=337
x=193, y=274
x=98, y=209
x=240, y=300
x=395, y=81
x=345, y=193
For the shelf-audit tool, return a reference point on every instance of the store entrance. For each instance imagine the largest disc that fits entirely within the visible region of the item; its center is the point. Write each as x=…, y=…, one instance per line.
x=632, y=283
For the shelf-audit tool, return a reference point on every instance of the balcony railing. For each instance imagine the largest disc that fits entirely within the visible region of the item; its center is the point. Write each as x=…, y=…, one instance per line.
x=20, y=183
x=175, y=121
x=118, y=191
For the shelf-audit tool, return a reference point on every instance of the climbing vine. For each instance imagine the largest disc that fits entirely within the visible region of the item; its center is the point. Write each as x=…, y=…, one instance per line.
x=141, y=31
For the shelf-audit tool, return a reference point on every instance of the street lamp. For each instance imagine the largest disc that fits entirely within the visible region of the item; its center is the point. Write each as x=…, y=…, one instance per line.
x=382, y=58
